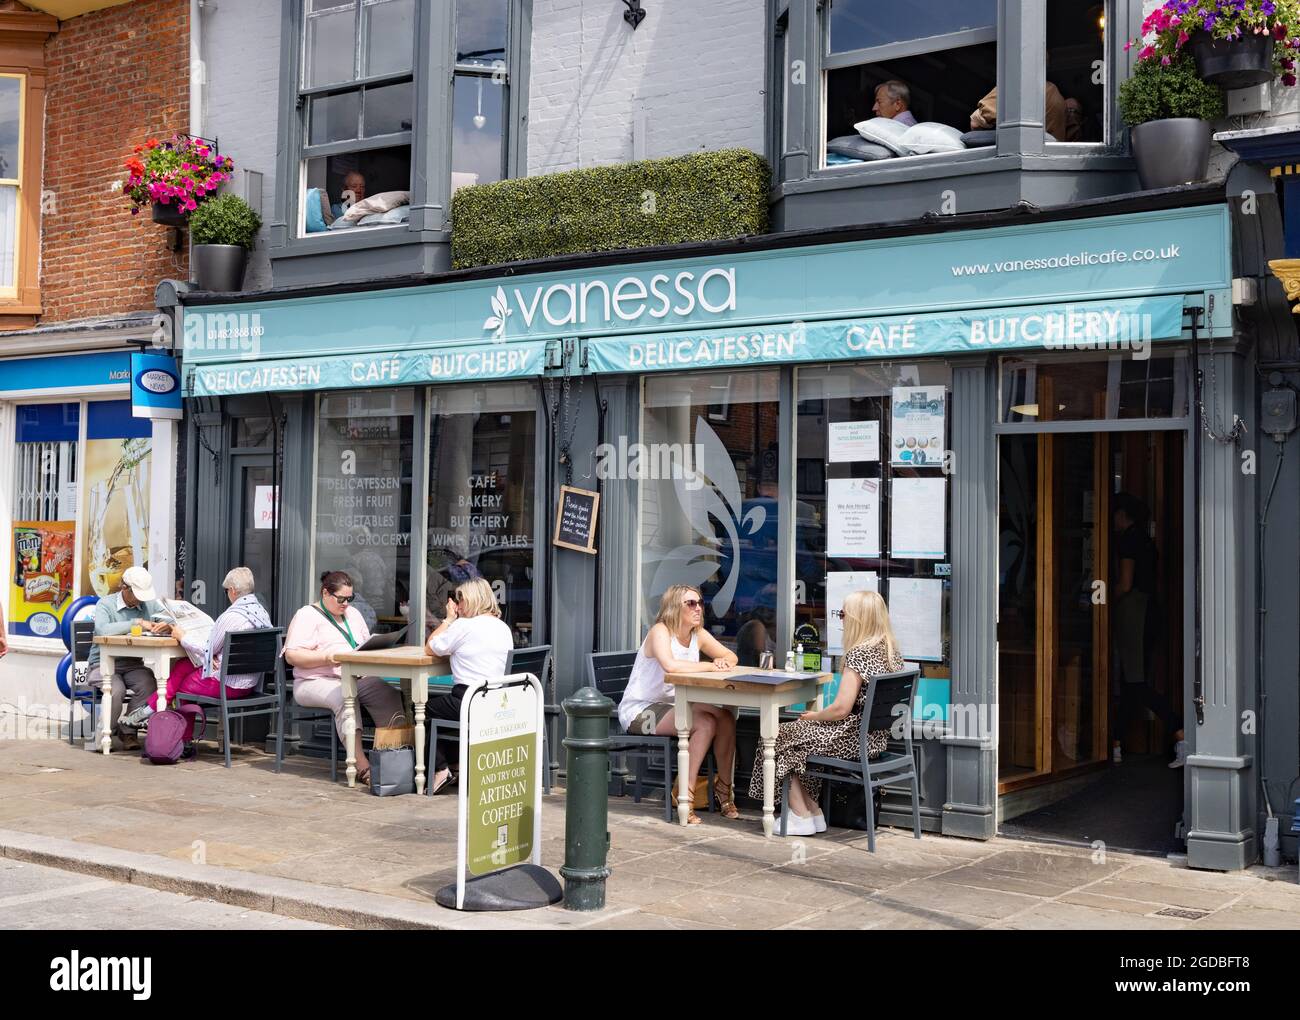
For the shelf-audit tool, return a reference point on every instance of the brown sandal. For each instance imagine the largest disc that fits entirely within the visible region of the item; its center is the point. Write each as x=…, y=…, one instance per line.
x=726, y=805
x=692, y=818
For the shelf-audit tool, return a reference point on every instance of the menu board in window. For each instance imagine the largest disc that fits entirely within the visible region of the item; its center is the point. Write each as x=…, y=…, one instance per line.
x=575, y=519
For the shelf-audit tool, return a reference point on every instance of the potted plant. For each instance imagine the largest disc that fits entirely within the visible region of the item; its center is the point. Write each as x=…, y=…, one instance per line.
x=223, y=230
x=1235, y=43
x=173, y=177
x=1168, y=109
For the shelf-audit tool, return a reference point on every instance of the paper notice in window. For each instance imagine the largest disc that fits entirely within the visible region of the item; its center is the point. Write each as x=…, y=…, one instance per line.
x=916, y=614
x=853, y=517
x=838, y=586
x=918, y=426
x=917, y=519
x=850, y=441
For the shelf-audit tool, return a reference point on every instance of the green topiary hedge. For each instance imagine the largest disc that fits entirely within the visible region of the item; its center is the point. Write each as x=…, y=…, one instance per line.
x=701, y=197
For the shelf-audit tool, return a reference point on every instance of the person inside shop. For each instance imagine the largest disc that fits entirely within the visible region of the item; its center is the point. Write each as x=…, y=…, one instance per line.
x=199, y=673
x=751, y=641
x=674, y=644
x=1133, y=598
x=478, y=642
x=134, y=603
x=894, y=101
x=985, y=116
x=317, y=634
x=832, y=731
x=354, y=189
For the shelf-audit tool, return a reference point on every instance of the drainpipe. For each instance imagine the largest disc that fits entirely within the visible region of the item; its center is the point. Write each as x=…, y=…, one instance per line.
x=196, y=68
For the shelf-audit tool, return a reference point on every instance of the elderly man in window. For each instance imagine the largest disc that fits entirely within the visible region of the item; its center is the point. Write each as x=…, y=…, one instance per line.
x=199, y=673
x=894, y=101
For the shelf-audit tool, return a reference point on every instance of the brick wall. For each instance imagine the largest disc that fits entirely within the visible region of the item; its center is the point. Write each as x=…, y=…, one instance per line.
x=693, y=71
x=115, y=78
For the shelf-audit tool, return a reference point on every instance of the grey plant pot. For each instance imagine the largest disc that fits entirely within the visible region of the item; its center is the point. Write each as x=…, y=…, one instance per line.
x=1233, y=63
x=1171, y=152
x=220, y=267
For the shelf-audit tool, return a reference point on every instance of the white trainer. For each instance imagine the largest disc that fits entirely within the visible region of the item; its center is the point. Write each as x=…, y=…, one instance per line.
x=797, y=825
x=1180, y=755
x=819, y=822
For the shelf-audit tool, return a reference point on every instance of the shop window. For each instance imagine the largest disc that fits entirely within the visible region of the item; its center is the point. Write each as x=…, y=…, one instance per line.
x=482, y=485
x=936, y=61
x=1076, y=63
x=364, y=449
x=480, y=107
x=709, y=501
x=872, y=498
x=1098, y=389
x=11, y=123
x=358, y=98
x=116, y=492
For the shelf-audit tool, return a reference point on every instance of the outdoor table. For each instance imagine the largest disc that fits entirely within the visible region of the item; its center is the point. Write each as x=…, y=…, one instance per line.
x=720, y=687
x=158, y=653
x=413, y=666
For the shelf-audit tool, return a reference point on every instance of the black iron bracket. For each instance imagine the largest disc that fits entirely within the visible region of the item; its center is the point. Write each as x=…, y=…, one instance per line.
x=634, y=15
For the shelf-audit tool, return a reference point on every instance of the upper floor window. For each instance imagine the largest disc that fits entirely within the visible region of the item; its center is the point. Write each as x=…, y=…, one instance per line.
x=1076, y=68
x=480, y=106
x=358, y=94
x=11, y=168
x=900, y=65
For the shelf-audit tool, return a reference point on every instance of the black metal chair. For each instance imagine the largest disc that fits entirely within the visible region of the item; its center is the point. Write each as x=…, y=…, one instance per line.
x=83, y=637
x=888, y=703
x=609, y=673
x=289, y=711
x=245, y=651
x=536, y=660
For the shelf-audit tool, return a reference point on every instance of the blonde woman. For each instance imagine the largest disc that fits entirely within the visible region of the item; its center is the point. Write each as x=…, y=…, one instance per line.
x=478, y=642
x=833, y=731
x=674, y=645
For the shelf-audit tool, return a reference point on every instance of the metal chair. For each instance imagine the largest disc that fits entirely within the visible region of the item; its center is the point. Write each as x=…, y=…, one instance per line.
x=888, y=702
x=289, y=711
x=609, y=673
x=83, y=637
x=535, y=660
x=245, y=651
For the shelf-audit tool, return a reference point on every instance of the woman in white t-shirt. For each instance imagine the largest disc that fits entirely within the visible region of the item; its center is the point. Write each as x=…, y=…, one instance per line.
x=674, y=645
x=479, y=643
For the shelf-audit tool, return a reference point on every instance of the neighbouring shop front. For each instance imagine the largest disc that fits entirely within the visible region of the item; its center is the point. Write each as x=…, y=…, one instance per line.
x=951, y=417
x=89, y=493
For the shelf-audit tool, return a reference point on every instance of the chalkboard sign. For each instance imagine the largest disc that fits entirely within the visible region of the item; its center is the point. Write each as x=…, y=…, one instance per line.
x=575, y=519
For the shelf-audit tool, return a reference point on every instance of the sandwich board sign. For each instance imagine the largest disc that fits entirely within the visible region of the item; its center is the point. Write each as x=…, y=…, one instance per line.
x=500, y=793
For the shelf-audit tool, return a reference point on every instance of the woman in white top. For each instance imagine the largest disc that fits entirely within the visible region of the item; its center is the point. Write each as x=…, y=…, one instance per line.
x=674, y=645
x=479, y=643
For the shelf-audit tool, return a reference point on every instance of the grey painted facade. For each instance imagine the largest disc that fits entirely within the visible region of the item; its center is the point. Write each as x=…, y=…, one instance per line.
x=591, y=91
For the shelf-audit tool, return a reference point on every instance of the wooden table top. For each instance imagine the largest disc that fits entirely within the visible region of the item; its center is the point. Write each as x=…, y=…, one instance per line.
x=405, y=655
x=144, y=641
x=725, y=679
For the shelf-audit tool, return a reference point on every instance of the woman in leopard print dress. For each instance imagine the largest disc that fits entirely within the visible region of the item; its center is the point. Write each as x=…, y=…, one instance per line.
x=833, y=731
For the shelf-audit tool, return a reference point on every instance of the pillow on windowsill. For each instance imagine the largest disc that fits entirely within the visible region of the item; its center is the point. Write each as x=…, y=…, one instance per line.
x=380, y=203
x=883, y=131
x=858, y=148
x=929, y=137
x=401, y=214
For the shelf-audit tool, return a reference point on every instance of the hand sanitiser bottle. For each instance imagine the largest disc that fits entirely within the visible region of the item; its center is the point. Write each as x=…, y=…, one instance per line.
x=798, y=657
x=789, y=661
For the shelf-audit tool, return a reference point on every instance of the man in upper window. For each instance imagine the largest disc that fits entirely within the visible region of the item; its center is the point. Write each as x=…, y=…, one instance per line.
x=894, y=100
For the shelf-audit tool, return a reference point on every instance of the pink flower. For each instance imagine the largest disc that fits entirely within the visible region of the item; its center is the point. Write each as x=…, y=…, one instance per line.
x=1147, y=53
x=1288, y=79
x=1166, y=59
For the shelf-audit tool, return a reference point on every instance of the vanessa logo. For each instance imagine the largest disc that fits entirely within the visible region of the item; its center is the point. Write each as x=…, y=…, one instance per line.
x=609, y=304
x=74, y=973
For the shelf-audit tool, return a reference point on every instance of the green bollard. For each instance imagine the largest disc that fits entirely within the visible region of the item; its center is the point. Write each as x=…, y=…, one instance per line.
x=586, y=800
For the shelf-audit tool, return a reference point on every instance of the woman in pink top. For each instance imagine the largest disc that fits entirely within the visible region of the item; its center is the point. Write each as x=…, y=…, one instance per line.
x=317, y=634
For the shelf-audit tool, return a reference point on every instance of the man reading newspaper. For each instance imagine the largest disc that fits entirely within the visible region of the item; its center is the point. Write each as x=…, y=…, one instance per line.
x=203, y=641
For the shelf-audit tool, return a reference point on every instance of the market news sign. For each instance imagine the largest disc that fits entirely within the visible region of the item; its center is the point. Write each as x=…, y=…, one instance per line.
x=500, y=778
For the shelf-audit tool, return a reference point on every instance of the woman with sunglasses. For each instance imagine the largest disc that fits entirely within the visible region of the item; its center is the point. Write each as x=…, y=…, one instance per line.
x=674, y=645
x=478, y=643
x=317, y=634
x=832, y=732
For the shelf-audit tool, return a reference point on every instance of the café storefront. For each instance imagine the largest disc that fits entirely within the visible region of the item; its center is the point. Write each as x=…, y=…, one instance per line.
x=944, y=415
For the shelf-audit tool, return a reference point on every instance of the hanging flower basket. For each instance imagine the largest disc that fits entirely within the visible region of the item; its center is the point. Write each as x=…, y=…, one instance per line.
x=1235, y=43
x=171, y=178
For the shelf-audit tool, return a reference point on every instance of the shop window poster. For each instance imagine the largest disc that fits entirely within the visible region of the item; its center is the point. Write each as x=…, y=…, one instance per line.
x=116, y=479
x=918, y=426
x=42, y=581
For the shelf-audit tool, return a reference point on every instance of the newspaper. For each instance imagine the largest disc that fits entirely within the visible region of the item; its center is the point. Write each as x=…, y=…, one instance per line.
x=196, y=624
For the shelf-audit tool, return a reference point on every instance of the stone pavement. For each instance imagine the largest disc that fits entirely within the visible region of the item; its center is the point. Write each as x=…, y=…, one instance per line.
x=298, y=846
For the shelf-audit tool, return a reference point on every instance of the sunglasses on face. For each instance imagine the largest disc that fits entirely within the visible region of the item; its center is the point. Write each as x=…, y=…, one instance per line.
x=342, y=599
x=692, y=603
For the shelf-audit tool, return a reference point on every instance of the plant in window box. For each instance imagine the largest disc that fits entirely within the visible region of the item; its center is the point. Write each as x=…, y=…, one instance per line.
x=1235, y=43
x=223, y=229
x=173, y=177
x=1168, y=107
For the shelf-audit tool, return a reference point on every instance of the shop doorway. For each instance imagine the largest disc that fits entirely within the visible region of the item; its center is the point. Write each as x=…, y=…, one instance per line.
x=255, y=519
x=1082, y=663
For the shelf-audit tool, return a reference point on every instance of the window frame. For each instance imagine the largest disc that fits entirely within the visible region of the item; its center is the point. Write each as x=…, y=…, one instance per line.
x=10, y=293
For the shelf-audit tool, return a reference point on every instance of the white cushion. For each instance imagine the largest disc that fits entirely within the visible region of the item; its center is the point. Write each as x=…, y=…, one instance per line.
x=883, y=131
x=931, y=137
x=380, y=203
